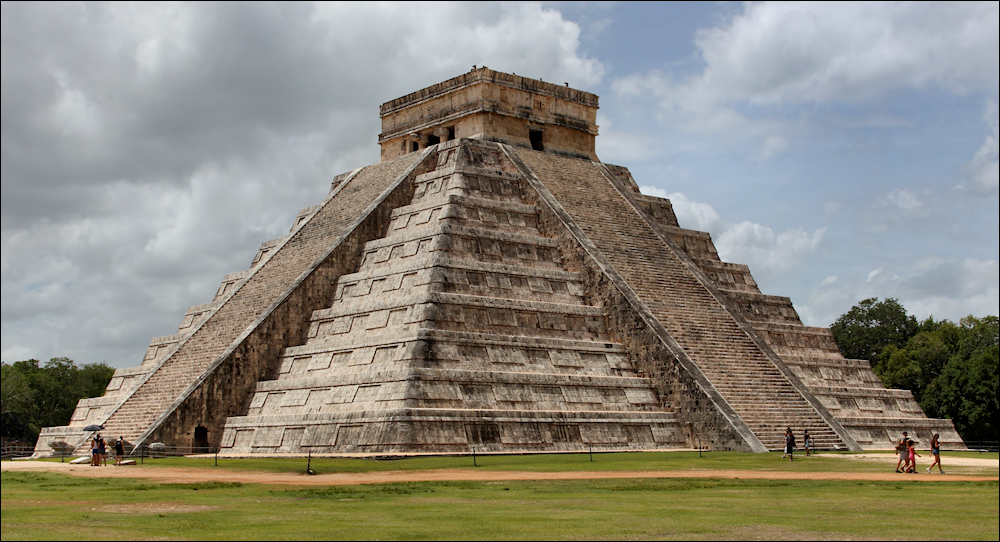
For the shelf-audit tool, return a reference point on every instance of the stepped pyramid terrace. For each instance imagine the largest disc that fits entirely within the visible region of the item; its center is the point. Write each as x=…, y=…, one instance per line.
x=491, y=284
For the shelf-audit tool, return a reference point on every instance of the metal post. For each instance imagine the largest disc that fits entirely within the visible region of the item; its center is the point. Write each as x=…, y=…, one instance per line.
x=142, y=454
x=216, y=456
x=699, y=447
x=309, y=463
x=474, y=457
x=591, y=453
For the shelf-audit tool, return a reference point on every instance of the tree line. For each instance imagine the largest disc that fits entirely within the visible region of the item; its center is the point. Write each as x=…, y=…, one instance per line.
x=950, y=368
x=36, y=396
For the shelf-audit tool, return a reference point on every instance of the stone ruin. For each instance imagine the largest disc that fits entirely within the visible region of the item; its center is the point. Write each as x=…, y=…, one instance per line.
x=491, y=284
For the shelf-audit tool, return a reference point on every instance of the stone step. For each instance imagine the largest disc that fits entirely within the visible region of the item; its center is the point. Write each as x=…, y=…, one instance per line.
x=437, y=260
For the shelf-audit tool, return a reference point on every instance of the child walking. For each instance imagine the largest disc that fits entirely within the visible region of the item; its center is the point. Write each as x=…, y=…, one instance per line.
x=912, y=455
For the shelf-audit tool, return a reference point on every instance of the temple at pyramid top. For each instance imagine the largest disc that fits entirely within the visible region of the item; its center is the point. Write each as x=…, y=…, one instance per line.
x=493, y=106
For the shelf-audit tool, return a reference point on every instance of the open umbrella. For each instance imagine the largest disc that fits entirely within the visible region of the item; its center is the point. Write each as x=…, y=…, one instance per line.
x=93, y=427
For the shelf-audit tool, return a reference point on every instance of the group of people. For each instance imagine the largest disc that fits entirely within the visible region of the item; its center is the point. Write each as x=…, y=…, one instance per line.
x=99, y=451
x=907, y=449
x=790, y=444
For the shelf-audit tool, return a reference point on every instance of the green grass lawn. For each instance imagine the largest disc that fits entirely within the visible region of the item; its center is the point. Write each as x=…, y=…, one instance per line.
x=578, y=462
x=59, y=506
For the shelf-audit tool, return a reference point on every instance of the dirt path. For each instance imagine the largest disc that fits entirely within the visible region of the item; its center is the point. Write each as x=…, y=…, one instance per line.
x=185, y=475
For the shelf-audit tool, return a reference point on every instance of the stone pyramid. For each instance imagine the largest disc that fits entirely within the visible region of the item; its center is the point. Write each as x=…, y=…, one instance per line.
x=492, y=285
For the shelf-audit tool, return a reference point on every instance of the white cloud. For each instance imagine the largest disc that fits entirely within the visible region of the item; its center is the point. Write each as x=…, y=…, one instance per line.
x=73, y=113
x=778, y=54
x=768, y=254
x=526, y=38
x=945, y=289
x=901, y=200
x=771, y=147
x=984, y=166
x=832, y=206
x=815, y=52
x=149, y=149
x=692, y=215
x=620, y=147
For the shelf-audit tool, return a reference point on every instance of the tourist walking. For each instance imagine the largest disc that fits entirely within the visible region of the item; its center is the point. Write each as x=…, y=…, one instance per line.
x=119, y=451
x=901, y=450
x=789, y=444
x=807, y=442
x=95, y=458
x=912, y=455
x=935, y=453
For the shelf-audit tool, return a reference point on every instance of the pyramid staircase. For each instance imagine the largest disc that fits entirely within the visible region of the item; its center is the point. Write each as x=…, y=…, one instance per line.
x=751, y=380
x=849, y=390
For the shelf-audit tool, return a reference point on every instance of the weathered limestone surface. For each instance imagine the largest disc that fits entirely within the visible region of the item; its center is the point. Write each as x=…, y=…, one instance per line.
x=470, y=292
x=460, y=328
x=493, y=106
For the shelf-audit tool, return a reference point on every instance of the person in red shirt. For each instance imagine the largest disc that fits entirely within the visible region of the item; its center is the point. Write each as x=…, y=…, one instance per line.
x=912, y=455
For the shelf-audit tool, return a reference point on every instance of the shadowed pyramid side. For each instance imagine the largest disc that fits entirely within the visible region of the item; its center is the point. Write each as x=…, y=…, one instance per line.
x=239, y=326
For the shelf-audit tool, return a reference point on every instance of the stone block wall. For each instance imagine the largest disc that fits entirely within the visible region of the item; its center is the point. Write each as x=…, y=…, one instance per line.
x=496, y=107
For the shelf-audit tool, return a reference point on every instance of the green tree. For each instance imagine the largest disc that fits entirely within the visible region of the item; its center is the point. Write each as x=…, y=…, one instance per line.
x=978, y=333
x=918, y=363
x=872, y=325
x=966, y=391
x=15, y=394
x=46, y=396
x=951, y=369
x=15, y=401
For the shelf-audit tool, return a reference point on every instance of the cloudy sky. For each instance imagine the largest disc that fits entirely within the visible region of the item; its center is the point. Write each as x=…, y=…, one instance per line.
x=842, y=151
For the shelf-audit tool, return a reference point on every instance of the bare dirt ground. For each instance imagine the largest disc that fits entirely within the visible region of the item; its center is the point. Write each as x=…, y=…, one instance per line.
x=184, y=475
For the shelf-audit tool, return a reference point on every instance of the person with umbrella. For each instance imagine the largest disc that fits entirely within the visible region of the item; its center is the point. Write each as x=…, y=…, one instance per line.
x=94, y=444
